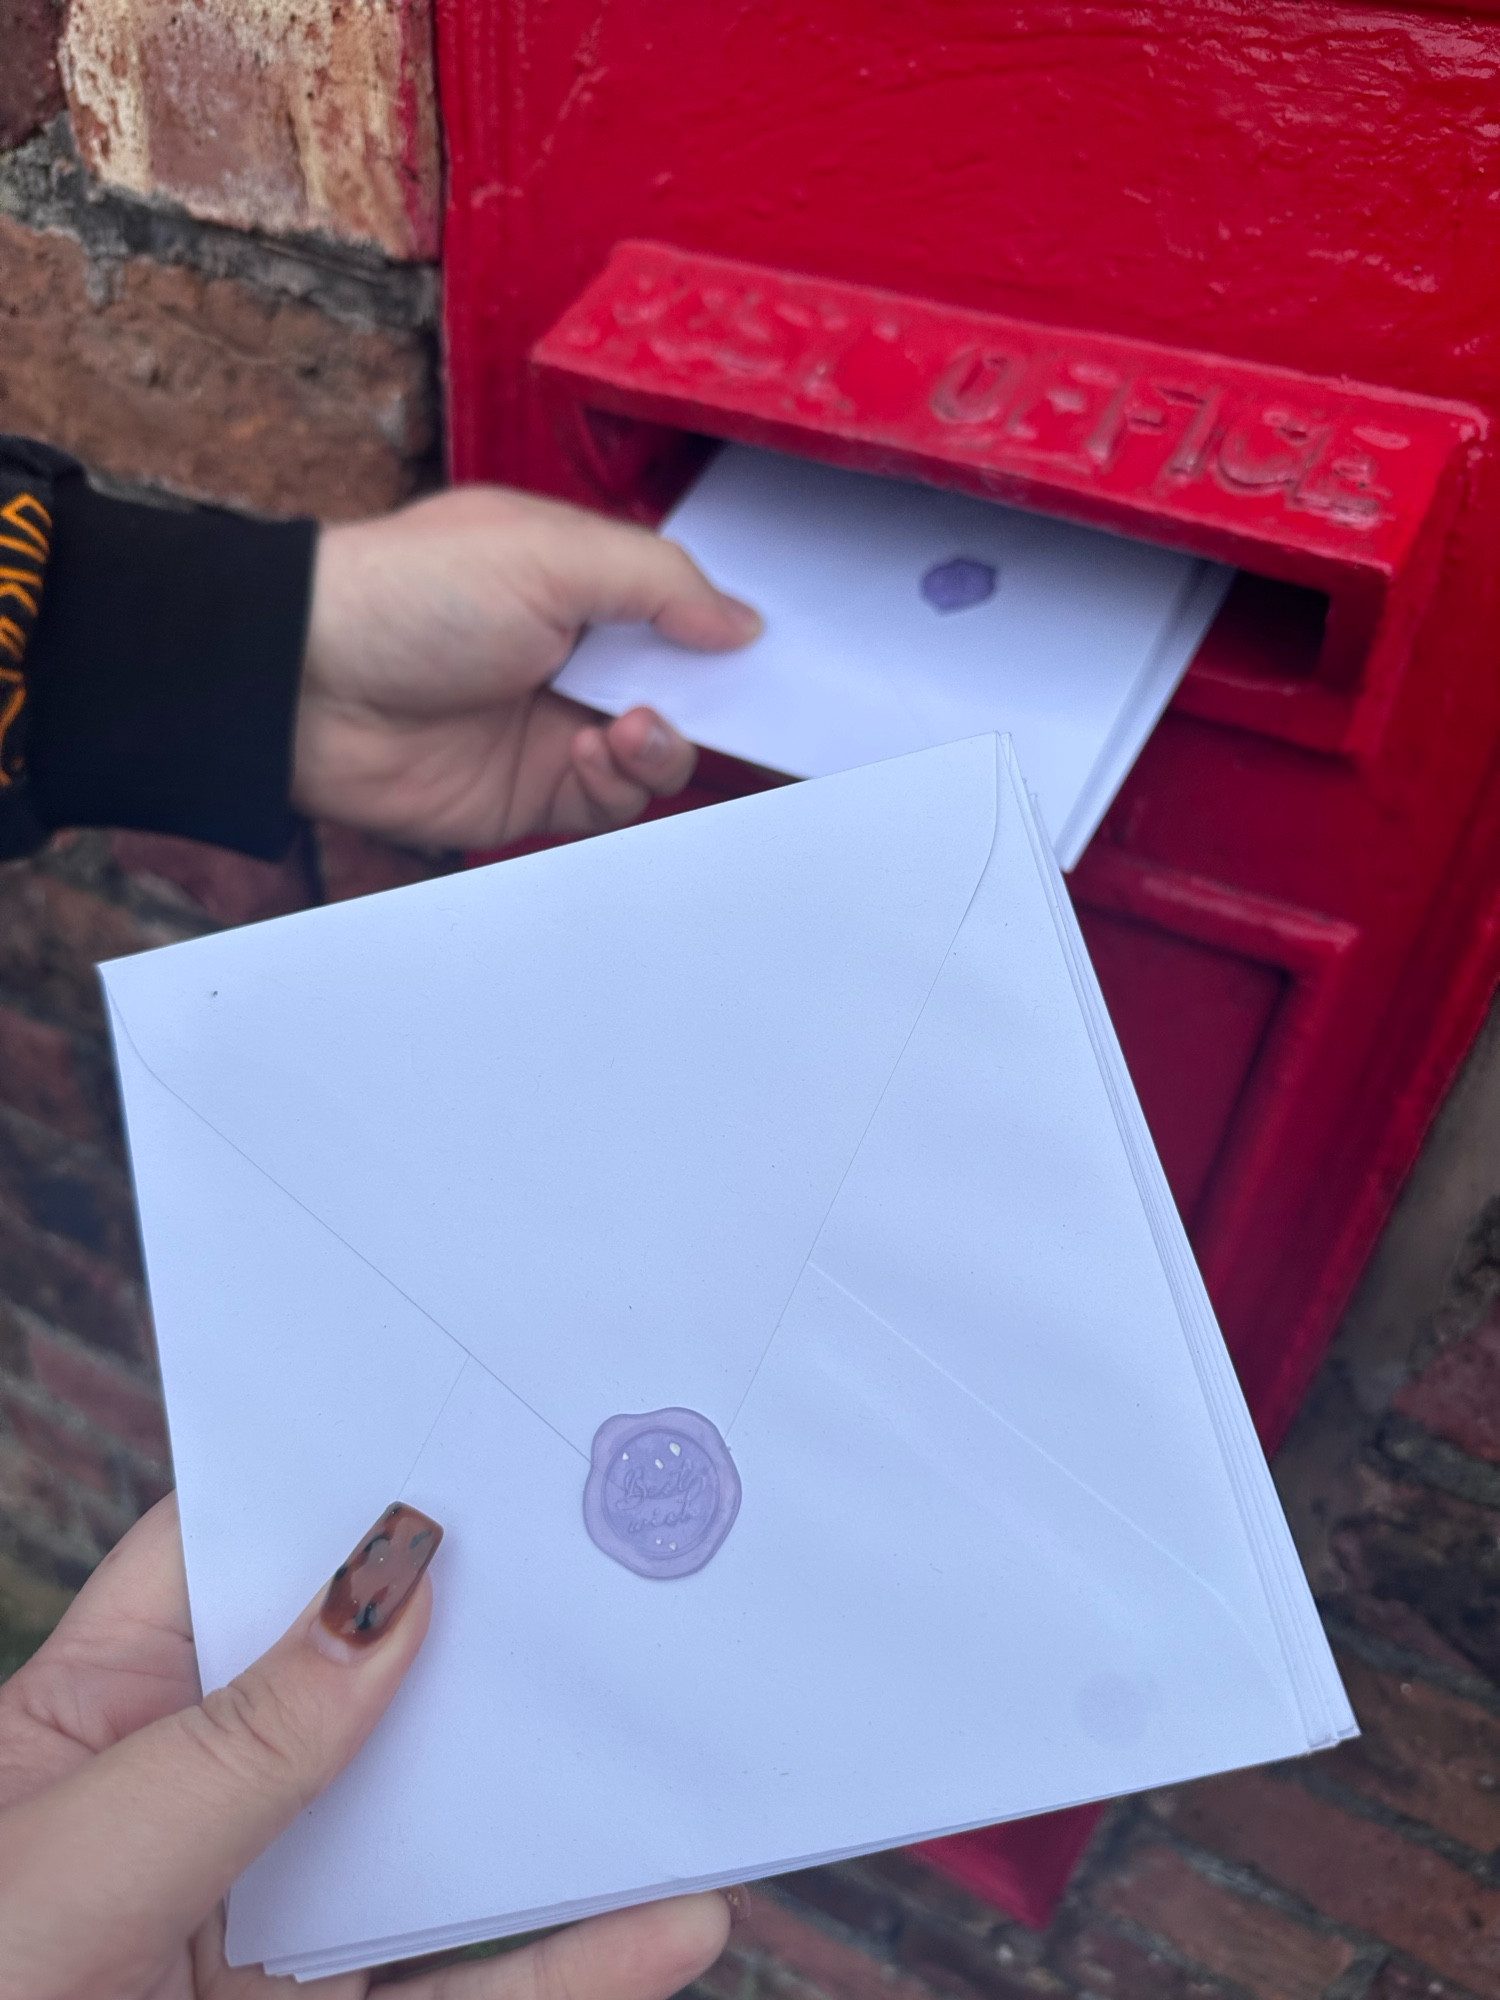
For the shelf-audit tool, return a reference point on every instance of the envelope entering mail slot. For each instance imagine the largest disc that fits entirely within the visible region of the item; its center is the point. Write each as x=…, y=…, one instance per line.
x=901, y=616
x=801, y=1115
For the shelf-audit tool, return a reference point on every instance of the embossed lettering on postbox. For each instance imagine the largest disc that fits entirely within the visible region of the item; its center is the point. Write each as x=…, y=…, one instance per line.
x=1328, y=485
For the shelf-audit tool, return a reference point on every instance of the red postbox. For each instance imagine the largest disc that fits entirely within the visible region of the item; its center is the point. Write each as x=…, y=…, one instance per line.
x=1223, y=274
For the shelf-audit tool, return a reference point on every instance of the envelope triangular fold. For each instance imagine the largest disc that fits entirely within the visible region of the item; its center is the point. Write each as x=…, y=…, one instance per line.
x=301, y=1385
x=596, y=1071
x=804, y=1113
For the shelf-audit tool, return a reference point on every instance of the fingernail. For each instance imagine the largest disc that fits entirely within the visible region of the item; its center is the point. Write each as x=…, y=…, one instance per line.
x=369, y=1591
x=657, y=745
x=739, y=1903
x=744, y=615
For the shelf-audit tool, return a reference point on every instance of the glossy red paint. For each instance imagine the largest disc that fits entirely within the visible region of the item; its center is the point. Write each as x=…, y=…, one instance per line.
x=1294, y=904
x=1330, y=486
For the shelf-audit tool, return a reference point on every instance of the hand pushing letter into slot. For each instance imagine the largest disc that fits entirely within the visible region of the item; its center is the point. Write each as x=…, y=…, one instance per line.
x=425, y=714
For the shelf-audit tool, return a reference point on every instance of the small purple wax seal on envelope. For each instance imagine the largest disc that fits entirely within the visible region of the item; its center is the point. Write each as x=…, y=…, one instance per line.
x=959, y=584
x=662, y=1492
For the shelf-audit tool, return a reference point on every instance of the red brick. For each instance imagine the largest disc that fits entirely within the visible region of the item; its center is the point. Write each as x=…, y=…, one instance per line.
x=951, y=1960
x=319, y=117
x=1355, y=1872
x=774, y=1944
x=1111, y=1967
x=230, y=888
x=1402, y=1624
x=1423, y=1752
x=66, y=1189
x=861, y=1904
x=206, y=387
x=1458, y=1397
x=39, y=1075
x=52, y=933
x=356, y=864
x=126, y=1410
x=737, y=1977
x=1436, y=1554
x=1257, y=1947
x=66, y=1450
x=32, y=1491
x=64, y=1284
x=1406, y=1982
x=30, y=88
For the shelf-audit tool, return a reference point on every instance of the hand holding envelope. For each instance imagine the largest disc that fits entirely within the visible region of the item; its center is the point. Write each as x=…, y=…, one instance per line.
x=801, y=1116
x=901, y=616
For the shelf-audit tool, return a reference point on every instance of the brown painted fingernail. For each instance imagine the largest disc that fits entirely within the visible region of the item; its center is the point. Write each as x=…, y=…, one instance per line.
x=738, y=1900
x=369, y=1591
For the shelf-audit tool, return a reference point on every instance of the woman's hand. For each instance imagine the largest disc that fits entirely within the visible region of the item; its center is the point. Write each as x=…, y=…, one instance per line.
x=128, y=1806
x=425, y=714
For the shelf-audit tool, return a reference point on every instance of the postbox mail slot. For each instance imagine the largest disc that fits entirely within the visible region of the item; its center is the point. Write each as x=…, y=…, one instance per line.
x=1331, y=487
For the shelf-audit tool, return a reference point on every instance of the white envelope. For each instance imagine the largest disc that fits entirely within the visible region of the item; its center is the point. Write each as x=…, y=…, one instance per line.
x=1075, y=651
x=802, y=1112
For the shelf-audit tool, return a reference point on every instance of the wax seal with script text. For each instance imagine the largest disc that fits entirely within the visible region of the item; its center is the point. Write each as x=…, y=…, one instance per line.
x=662, y=1492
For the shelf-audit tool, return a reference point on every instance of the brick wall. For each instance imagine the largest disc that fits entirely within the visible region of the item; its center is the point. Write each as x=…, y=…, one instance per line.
x=215, y=282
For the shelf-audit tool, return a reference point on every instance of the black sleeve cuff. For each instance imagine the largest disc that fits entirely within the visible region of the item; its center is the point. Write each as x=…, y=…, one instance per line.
x=163, y=673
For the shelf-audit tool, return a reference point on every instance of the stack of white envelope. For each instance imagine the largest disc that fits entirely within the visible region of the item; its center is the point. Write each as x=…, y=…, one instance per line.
x=804, y=1114
x=901, y=616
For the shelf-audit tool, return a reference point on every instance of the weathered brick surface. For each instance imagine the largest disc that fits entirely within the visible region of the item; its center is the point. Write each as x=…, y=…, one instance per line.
x=1424, y=1752
x=68, y=1448
x=781, y=1956
x=1272, y=1955
x=124, y=1407
x=1399, y=1981
x=1436, y=1552
x=52, y=933
x=1101, y=1962
x=1458, y=1396
x=1354, y=1870
x=318, y=117
x=30, y=87
x=39, y=1074
x=78, y=1192
x=206, y=386
x=64, y=1285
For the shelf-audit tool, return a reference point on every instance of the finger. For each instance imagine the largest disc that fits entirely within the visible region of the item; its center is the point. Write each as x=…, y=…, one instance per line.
x=640, y=1954
x=648, y=749
x=600, y=794
x=617, y=770
x=202, y=1792
x=606, y=572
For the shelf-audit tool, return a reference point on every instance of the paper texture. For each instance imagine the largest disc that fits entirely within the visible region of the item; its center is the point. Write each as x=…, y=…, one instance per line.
x=802, y=1112
x=1076, y=651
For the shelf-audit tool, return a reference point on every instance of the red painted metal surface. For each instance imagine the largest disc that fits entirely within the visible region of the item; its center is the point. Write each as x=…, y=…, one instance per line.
x=1224, y=273
x=1339, y=488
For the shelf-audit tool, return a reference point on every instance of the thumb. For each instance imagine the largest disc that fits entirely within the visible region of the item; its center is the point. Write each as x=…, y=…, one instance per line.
x=610, y=572
x=102, y=1876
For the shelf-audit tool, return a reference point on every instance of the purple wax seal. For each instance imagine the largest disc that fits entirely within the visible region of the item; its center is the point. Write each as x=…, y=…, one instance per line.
x=959, y=584
x=662, y=1492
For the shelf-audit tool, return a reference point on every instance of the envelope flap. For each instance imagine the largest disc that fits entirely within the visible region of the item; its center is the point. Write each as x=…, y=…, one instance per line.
x=590, y=1108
